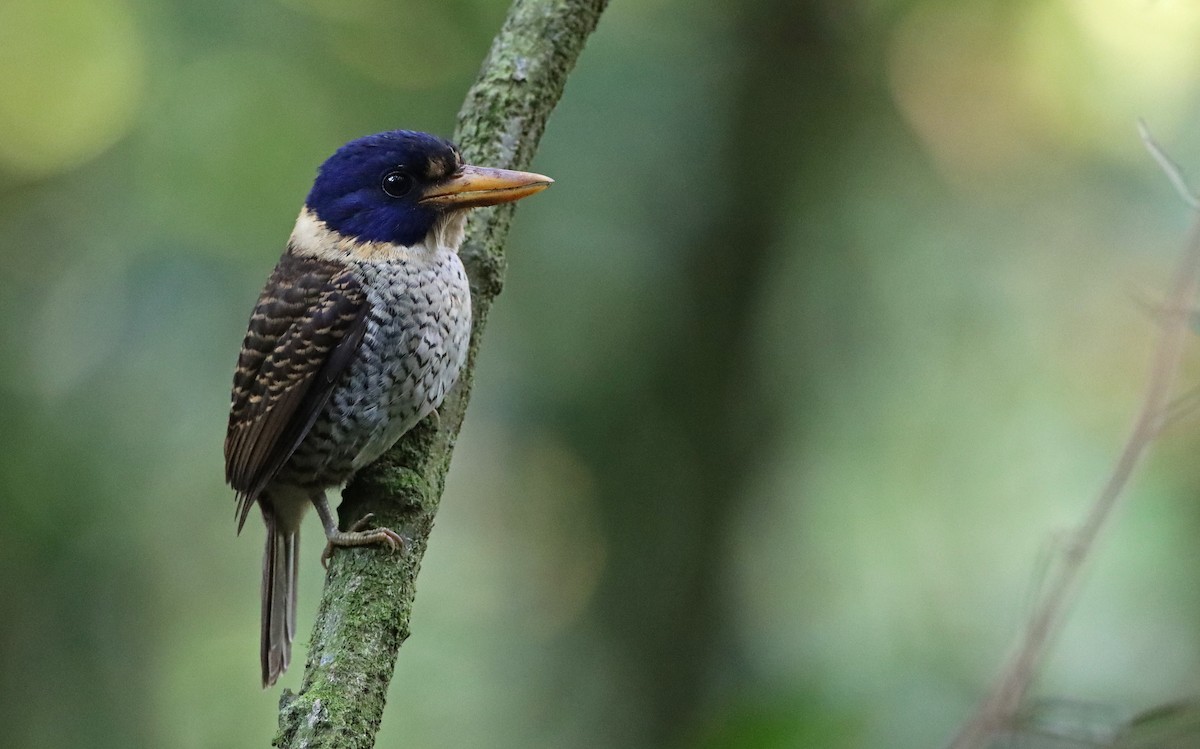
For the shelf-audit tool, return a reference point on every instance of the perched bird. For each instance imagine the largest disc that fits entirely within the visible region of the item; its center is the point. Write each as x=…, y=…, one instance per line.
x=358, y=334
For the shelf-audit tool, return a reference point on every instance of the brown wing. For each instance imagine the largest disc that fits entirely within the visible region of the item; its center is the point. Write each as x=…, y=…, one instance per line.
x=307, y=325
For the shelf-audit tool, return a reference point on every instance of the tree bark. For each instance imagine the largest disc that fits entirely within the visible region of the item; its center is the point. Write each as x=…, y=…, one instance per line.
x=367, y=601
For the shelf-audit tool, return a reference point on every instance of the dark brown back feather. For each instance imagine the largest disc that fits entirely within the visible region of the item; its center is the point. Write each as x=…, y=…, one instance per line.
x=305, y=329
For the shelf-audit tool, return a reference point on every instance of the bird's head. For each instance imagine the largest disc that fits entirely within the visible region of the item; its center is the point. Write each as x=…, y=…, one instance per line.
x=399, y=186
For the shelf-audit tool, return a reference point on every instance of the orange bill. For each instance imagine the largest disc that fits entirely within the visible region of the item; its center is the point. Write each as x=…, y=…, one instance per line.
x=474, y=186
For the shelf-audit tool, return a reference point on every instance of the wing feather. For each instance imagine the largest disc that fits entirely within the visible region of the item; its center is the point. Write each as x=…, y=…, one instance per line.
x=305, y=329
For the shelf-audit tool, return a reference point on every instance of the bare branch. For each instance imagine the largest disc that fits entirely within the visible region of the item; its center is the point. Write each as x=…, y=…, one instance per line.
x=997, y=711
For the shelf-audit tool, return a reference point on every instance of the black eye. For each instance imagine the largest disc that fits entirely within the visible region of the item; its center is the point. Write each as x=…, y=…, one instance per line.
x=397, y=183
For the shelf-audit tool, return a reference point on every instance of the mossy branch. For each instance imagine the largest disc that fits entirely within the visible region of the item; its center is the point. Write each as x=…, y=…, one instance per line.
x=367, y=601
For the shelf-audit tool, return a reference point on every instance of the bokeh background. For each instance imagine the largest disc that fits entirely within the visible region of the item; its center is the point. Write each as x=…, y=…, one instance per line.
x=829, y=330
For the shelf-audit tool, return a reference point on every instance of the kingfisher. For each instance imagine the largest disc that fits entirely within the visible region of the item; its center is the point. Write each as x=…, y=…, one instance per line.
x=358, y=334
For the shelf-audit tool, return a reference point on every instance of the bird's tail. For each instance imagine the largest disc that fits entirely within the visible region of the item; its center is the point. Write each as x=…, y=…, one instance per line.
x=278, y=597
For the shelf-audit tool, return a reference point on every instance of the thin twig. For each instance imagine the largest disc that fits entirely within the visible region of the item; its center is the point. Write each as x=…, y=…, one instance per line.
x=1169, y=167
x=1179, y=409
x=998, y=709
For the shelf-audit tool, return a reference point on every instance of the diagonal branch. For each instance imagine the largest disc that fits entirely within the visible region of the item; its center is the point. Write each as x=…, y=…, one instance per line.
x=998, y=710
x=368, y=596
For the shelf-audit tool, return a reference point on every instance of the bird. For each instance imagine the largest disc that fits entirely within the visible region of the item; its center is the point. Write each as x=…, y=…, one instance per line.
x=358, y=334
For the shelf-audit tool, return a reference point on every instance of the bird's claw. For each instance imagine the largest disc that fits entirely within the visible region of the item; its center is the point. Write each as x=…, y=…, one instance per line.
x=359, y=536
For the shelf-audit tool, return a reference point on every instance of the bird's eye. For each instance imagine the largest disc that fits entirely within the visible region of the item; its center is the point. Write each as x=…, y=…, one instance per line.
x=397, y=183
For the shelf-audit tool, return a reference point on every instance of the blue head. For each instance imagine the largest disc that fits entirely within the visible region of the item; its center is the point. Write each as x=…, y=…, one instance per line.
x=370, y=188
x=395, y=186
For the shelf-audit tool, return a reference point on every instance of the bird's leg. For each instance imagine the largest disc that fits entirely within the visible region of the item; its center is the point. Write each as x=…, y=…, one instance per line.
x=356, y=536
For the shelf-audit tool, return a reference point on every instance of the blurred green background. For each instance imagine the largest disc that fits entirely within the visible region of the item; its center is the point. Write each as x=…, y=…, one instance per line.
x=829, y=329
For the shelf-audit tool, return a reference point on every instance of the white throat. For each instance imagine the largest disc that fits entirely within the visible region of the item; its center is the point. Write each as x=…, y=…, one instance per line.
x=312, y=237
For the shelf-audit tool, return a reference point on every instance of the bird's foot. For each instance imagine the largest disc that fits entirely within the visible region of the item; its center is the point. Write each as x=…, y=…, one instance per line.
x=359, y=536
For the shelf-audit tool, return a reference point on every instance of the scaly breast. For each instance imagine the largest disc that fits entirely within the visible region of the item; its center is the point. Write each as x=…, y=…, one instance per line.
x=413, y=350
